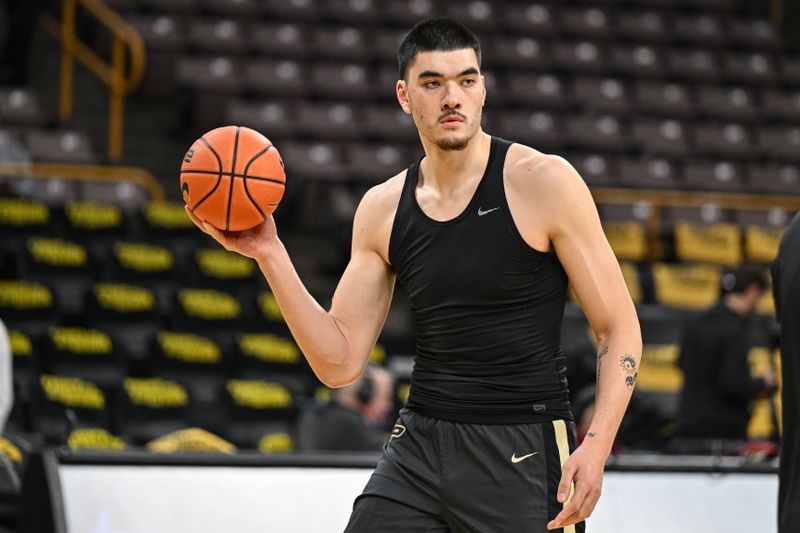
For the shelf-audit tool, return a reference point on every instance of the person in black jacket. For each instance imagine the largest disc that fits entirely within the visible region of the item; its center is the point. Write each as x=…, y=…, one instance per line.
x=354, y=420
x=718, y=387
x=786, y=280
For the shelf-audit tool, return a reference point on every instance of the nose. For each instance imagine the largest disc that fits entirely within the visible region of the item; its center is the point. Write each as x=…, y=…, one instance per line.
x=450, y=100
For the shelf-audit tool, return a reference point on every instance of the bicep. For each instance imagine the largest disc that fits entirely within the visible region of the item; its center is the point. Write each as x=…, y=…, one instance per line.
x=586, y=255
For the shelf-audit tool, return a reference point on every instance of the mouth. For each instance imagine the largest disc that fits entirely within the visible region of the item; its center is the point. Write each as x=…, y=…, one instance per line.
x=451, y=121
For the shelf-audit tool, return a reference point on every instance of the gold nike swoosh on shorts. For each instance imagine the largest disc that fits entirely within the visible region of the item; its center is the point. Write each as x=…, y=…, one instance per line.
x=515, y=459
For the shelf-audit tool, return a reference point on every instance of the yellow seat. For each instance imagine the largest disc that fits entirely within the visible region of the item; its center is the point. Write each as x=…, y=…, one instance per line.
x=627, y=238
x=687, y=286
x=711, y=243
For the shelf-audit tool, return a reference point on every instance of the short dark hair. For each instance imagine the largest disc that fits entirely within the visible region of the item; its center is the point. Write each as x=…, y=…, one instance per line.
x=739, y=279
x=435, y=34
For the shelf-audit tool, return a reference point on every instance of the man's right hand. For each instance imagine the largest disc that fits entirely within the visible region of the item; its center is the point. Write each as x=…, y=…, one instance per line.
x=256, y=242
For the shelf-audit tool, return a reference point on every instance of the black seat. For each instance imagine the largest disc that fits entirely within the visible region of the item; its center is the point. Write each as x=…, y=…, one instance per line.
x=257, y=409
x=730, y=140
x=669, y=99
x=151, y=407
x=347, y=43
x=650, y=173
x=219, y=36
x=715, y=175
x=280, y=39
x=63, y=403
x=20, y=107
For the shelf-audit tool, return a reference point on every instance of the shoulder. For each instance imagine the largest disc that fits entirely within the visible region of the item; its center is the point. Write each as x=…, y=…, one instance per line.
x=547, y=176
x=384, y=196
x=375, y=214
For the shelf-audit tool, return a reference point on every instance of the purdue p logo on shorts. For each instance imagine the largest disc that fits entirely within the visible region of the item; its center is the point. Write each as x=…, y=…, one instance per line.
x=398, y=431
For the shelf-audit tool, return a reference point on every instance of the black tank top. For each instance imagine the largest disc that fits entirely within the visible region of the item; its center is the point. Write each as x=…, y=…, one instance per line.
x=487, y=308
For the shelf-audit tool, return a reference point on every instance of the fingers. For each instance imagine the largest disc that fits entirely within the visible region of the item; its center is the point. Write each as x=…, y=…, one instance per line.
x=580, y=507
x=193, y=217
x=207, y=228
x=565, y=487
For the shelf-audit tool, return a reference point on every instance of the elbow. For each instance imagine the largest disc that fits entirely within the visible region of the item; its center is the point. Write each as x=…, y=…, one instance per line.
x=338, y=375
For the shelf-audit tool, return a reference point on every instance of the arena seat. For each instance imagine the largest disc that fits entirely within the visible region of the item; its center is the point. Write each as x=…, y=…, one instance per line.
x=361, y=12
x=731, y=140
x=727, y=102
x=348, y=81
x=627, y=238
x=640, y=60
x=532, y=18
x=375, y=163
x=142, y=261
x=643, y=26
x=671, y=100
x=780, y=142
x=650, y=173
x=599, y=132
x=338, y=121
x=62, y=146
x=597, y=169
x=775, y=178
x=83, y=353
x=217, y=74
x=752, y=67
x=580, y=56
x=20, y=106
x=221, y=36
x=245, y=9
x=280, y=39
x=217, y=267
x=687, y=286
x=521, y=53
x=698, y=64
x=317, y=160
x=667, y=137
x=151, y=407
x=276, y=77
x=346, y=43
x=603, y=94
x=542, y=129
x=715, y=175
x=197, y=309
x=62, y=404
x=708, y=243
x=389, y=123
x=256, y=408
x=781, y=104
x=701, y=29
x=278, y=118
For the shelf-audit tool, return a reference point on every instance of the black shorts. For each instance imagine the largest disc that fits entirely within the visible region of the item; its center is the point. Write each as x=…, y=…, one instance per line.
x=440, y=476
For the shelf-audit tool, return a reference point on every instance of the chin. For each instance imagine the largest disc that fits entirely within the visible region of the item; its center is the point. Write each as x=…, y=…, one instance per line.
x=454, y=144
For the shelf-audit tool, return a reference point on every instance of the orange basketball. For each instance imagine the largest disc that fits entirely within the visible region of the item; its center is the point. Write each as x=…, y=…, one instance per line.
x=233, y=178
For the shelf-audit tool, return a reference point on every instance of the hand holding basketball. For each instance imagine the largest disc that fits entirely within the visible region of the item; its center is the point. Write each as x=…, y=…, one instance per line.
x=233, y=178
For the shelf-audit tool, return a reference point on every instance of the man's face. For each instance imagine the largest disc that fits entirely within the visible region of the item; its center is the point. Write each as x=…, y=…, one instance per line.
x=753, y=295
x=444, y=93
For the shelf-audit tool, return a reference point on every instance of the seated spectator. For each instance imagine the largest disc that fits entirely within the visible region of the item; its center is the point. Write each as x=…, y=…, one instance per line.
x=353, y=421
x=718, y=387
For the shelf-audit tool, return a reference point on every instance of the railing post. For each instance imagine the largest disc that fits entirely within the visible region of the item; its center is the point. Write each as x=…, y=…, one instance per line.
x=116, y=112
x=67, y=50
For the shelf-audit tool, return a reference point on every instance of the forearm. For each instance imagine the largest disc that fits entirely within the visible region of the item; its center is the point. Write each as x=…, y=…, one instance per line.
x=618, y=358
x=317, y=334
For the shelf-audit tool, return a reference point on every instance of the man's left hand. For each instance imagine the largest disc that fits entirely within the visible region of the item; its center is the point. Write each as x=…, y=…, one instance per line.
x=585, y=469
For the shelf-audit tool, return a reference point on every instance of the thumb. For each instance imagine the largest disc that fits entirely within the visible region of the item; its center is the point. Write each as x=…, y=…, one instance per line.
x=567, y=475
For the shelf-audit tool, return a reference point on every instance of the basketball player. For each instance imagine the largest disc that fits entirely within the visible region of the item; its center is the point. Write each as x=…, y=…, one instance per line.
x=481, y=234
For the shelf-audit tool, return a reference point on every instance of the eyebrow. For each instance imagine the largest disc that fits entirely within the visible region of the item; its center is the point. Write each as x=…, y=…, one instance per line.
x=434, y=74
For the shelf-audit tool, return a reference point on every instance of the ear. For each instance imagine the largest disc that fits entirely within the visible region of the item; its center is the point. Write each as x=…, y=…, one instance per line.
x=402, y=96
x=483, y=79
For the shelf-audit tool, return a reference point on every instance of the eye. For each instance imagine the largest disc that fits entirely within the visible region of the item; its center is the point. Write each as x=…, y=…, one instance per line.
x=431, y=84
x=469, y=82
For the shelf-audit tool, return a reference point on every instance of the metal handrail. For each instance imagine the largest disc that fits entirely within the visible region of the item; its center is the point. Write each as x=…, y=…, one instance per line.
x=113, y=73
x=87, y=173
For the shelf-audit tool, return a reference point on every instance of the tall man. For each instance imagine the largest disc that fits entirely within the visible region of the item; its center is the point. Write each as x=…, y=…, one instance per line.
x=786, y=285
x=481, y=234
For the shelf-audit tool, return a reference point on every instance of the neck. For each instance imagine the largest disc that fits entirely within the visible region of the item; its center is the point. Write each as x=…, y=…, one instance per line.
x=448, y=169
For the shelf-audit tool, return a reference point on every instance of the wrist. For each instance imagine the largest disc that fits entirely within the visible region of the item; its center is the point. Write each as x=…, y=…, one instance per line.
x=266, y=256
x=602, y=441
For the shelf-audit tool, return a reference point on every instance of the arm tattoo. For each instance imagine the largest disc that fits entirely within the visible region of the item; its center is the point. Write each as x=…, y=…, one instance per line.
x=628, y=364
x=591, y=434
x=600, y=356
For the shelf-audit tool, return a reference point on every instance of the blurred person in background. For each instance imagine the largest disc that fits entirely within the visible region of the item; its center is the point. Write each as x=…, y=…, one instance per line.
x=718, y=388
x=6, y=381
x=786, y=285
x=355, y=419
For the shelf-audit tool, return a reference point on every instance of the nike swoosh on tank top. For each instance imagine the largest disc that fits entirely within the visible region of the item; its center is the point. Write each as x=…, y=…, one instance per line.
x=487, y=306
